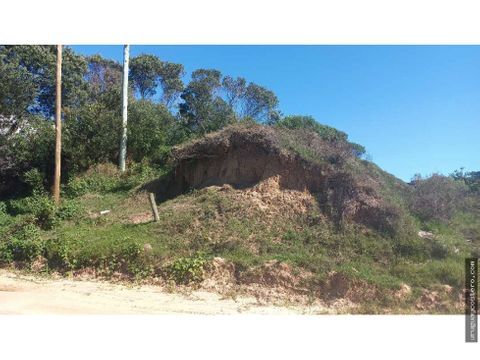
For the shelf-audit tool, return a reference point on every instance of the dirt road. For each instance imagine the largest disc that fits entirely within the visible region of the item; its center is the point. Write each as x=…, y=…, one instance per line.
x=25, y=294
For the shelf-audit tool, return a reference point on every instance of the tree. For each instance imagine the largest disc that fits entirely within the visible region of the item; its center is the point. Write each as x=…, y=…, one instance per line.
x=149, y=124
x=40, y=61
x=471, y=179
x=199, y=98
x=148, y=72
x=437, y=197
x=235, y=90
x=17, y=87
x=260, y=103
x=91, y=136
x=25, y=142
x=102, y=76
x=171, y=82
x=144, y=73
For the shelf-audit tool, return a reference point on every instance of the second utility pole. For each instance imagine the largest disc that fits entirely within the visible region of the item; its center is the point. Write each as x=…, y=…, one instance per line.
x=123, y=142
x=58, y=127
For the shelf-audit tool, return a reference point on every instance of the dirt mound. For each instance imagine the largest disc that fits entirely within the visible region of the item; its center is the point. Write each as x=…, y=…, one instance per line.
x=270, y=199
x=279, y=166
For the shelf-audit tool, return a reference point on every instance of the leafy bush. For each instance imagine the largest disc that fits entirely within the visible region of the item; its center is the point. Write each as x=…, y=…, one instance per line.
x=471, y=179
x=24, y=244
x=148, y=126
x=105, y=178
x=27, y=143
x=62, y=253
x=4, y=217
x=430, y=273
x=326, y=132
x=34, y=179
x=101, y=178
x=411, y=247
x=69, y=210
x=91, y=136
x=309, y=123
x=436, y=197
x=118, y=254
x=41, y=207
x=185, y=270
x=45, y=213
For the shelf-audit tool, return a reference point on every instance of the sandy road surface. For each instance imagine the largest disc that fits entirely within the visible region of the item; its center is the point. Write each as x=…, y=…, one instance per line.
x=25, y=294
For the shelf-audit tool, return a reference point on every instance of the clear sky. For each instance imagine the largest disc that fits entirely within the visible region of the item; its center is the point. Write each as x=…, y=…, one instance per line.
x=416, y=109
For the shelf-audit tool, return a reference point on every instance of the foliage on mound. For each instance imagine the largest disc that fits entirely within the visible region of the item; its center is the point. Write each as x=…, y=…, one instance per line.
x=247, y=227
x=280, y=230
x=345, y=187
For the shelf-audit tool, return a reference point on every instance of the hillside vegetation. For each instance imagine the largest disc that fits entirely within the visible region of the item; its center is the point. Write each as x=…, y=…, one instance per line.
x=249, y=200
x=319, y=222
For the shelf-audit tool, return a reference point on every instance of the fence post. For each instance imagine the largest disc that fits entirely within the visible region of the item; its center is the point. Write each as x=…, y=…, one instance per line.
x=154, y=207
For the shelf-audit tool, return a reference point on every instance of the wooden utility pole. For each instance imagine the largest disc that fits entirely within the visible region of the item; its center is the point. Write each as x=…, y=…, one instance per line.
x=58, y=127
x=123, y=141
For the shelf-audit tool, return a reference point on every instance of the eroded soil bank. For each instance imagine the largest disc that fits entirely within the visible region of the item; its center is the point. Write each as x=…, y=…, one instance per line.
x=27, y=294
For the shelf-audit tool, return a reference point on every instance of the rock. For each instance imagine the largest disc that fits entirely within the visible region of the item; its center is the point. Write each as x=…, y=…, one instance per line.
x=104, y=212
x=426, y=234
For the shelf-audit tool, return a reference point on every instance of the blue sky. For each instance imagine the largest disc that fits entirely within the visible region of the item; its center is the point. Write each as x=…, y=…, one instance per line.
x=415, y=108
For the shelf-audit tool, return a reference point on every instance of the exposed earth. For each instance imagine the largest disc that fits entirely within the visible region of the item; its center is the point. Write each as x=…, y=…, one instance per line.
x=26, y=294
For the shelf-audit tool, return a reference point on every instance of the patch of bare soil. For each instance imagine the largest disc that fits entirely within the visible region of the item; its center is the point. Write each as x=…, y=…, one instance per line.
x=274, y=282
x=440, y=299
x=26, y=294
x=271, y=199
x=141, y=218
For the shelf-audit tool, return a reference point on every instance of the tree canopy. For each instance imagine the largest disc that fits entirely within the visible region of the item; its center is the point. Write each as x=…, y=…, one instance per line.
x=164, y=108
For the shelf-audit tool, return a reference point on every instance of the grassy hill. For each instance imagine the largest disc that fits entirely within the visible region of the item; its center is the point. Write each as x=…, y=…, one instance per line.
x=250, y=207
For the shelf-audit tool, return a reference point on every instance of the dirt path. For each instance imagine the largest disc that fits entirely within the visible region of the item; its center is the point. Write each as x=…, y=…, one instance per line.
x=25, y=294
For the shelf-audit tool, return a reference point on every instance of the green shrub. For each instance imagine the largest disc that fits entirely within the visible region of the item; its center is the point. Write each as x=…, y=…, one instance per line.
x=309, y=123
x=438, y=250
x=4, y=217
x=69, y=210
x=148, y=128
x=105, y=178
x=41, y=207
x=437, y=197
x=122, y=254
x=186, y=270
x=411, y=247
x=45, y=213
x=62, y=253
x=138, y=174
x=24, y=244
x=91, y=135
x=92, y=182
x=434, y=272
x=34, y=179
